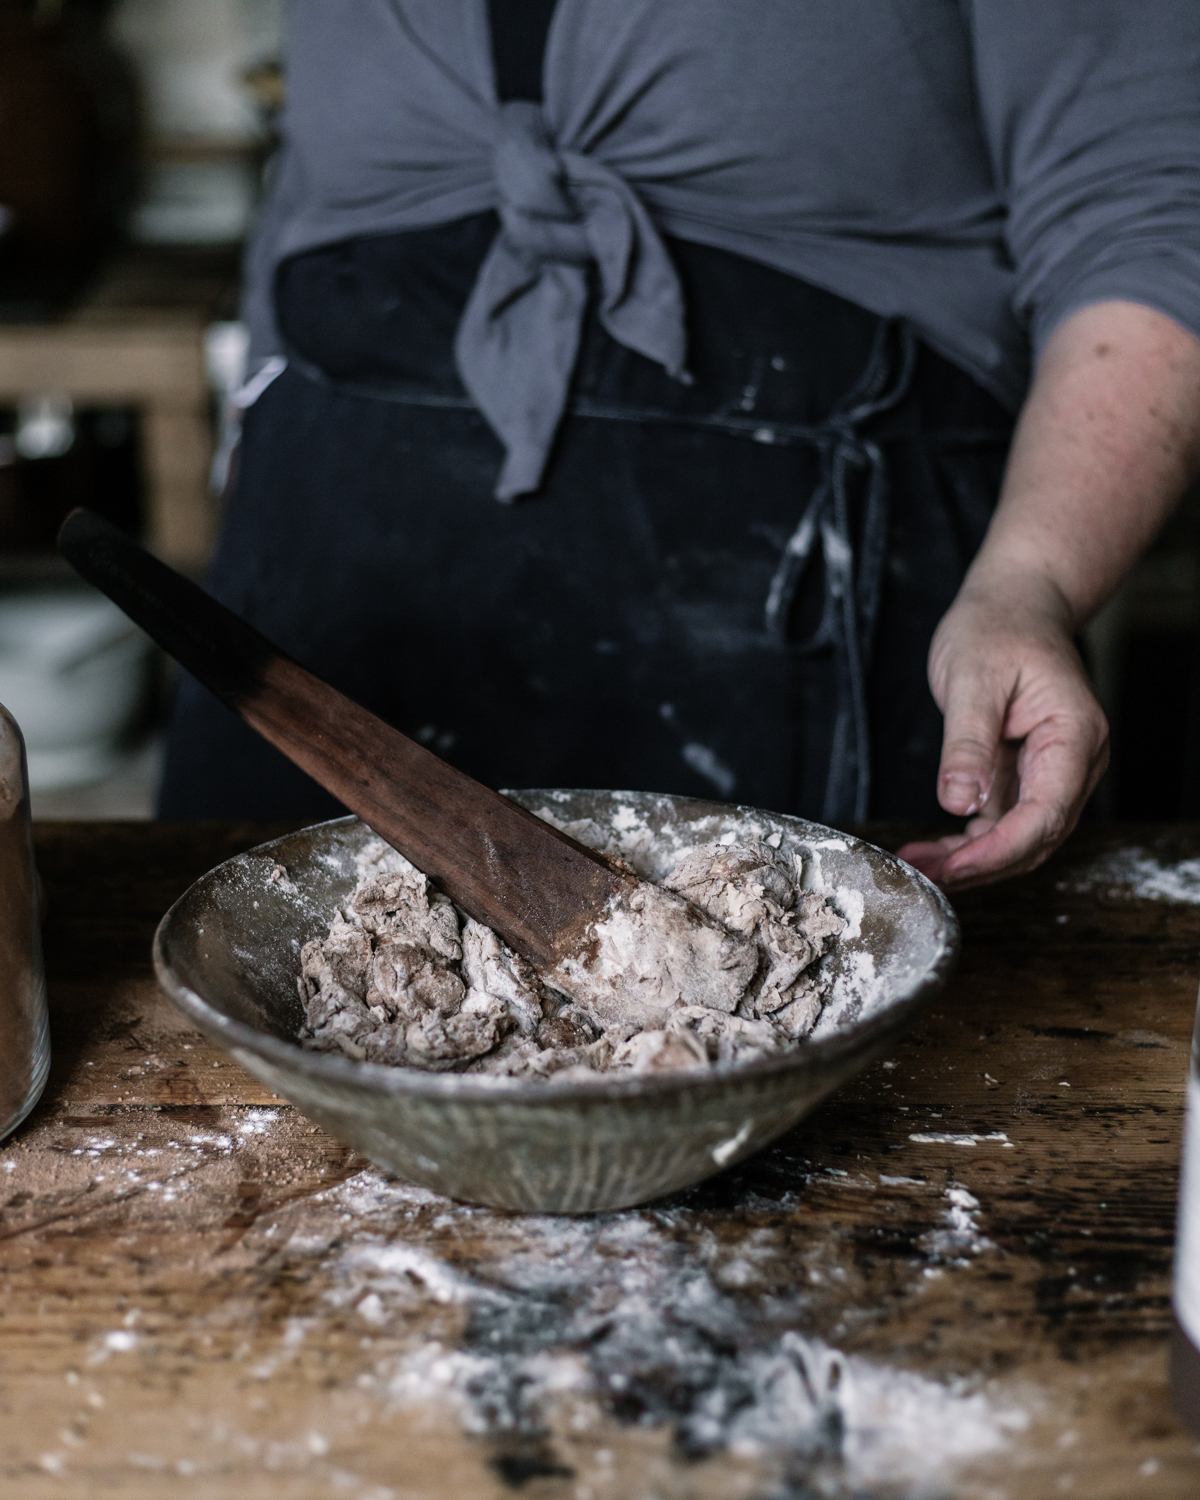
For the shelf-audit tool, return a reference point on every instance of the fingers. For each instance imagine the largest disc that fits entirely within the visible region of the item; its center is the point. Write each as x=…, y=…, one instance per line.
x=1018, y=842
x=1060, y=763
x=975, y=709
x=1011, y=845
x=930, y=858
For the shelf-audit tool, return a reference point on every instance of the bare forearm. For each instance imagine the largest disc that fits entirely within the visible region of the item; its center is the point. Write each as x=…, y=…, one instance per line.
x=1108, y=441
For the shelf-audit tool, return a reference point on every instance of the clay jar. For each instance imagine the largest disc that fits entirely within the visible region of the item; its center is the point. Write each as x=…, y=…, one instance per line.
x=24, y=1025
x=1185, y=1351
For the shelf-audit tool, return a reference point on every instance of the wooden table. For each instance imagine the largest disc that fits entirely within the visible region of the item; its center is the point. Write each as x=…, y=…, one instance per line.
x=137, y=339
x=204, y=1295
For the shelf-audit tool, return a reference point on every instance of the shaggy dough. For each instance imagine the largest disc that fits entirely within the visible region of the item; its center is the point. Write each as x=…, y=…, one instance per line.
x=405, y=978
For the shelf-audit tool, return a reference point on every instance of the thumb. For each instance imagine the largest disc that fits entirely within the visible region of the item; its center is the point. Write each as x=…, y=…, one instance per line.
x=975, y=712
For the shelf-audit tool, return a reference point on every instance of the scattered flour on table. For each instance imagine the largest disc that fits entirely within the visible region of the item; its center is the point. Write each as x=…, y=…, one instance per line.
x=959, y=1236
x=951, y=1138
x=163, y=1167
x=405, y=978
x=621, y=1313
x=1146, y=877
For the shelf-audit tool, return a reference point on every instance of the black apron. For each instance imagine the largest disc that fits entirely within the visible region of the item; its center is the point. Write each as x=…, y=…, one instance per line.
x=724, y=589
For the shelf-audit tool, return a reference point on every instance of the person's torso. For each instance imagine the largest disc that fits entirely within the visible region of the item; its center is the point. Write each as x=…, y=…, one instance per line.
x=778, y=116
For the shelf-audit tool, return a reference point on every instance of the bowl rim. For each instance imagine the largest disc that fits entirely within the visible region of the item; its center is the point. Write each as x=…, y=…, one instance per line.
x=385, y=1078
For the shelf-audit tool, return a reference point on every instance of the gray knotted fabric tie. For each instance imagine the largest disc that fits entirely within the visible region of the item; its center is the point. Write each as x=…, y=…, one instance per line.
x=560, y=211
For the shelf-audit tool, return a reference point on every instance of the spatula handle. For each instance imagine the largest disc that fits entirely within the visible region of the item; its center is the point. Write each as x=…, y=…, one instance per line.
x=216, y=646
x=535, y=886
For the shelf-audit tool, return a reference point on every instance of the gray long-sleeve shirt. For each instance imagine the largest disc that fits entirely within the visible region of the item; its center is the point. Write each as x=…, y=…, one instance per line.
x=983, y=168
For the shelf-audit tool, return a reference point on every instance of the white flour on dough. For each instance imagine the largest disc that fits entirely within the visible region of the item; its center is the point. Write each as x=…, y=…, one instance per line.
x=405, y=978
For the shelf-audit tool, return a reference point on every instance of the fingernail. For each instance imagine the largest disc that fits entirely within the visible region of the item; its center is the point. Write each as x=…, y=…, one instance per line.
x=965, y=786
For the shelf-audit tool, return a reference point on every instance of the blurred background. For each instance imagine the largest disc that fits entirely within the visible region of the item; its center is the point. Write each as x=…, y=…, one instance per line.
x=135, y=139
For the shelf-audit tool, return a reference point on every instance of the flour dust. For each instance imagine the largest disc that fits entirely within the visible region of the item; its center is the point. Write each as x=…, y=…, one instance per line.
x=567, y=1323
x=1142, y=876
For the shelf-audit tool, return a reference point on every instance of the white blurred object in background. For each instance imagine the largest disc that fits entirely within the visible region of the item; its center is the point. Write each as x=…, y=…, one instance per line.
x=74, y=673
x=196, y=203
x=226, y=351
x=45, y=426
x=191, y=55
x=227, y=359
x=226, y=348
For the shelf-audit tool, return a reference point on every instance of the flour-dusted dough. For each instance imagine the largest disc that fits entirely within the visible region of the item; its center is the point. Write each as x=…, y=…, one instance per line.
x=405, y=978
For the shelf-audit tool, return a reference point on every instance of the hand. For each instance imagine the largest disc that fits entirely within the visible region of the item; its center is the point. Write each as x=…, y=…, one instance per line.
x=1107, y=441
x=1025, y=739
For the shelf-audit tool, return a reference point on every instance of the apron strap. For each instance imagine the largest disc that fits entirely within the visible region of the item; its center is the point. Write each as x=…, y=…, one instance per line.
x=853, y=577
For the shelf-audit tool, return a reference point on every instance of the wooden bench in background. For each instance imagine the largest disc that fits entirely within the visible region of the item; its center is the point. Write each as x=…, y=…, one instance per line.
x=137, y=339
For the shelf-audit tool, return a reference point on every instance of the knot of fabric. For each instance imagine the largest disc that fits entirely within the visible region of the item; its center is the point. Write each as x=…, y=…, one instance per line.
x=853, y=549
x=561, y=212
x=539, y=216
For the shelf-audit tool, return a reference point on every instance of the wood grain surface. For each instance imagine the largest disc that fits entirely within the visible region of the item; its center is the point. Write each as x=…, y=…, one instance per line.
x=204, y=1295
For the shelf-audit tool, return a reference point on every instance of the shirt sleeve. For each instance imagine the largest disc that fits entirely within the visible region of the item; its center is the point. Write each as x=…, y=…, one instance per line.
x=1091, y=110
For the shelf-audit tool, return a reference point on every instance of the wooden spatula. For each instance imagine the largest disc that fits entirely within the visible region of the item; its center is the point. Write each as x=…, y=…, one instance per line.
x=582, y=921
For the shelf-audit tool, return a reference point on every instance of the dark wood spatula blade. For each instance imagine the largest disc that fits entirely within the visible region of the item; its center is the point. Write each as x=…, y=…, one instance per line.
x=537, y=888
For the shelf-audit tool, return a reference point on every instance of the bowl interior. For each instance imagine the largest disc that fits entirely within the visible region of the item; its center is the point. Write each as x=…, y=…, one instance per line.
x=233, y=941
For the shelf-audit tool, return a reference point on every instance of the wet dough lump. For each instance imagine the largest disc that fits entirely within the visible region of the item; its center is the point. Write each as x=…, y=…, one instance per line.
x=405, y=978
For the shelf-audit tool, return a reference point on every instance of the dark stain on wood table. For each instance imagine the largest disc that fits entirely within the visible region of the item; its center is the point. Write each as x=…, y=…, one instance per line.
x=951, y=1283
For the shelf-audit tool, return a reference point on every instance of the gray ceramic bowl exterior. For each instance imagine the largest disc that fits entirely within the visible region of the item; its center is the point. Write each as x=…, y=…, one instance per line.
x=228, y=953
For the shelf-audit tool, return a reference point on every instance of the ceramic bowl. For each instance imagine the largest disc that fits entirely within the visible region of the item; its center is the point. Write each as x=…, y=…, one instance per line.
x=228, y=953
